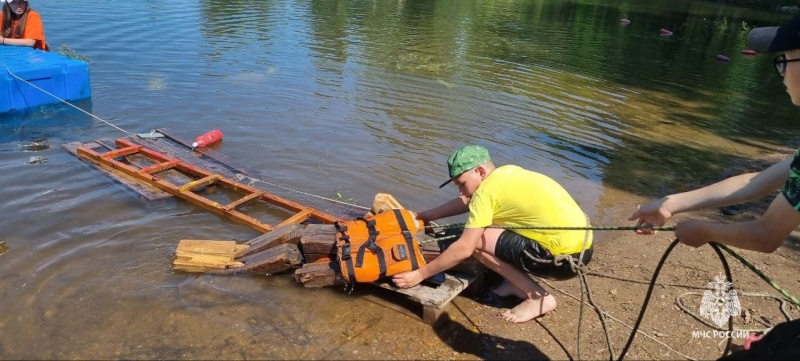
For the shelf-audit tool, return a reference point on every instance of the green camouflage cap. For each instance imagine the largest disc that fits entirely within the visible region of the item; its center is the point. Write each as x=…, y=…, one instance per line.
x=464, y=159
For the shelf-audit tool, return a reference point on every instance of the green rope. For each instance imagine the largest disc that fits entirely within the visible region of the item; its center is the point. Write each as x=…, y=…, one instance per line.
x=626, y=228
x=760, y=274
x=562, y=228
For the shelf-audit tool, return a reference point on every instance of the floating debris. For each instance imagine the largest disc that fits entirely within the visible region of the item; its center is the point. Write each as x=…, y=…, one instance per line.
x=3, y=247
x=664, y=32
x=37, y=160
x=34, y=146
x=721, y=57
x=624, y=21
x=749, y=52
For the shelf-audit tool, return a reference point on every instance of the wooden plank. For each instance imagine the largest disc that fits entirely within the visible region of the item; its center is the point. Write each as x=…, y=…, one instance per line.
x=121, y=152
x=320, y=274
x=274, y=260
x=318, y=239
x=194, y=255
x=299, y=217
x=218, y=257
x=202, y=182
x=210, y=247
x=289, y=233
x=243, y=200
x=434, y=300
x=149, y=192
x=160, y=167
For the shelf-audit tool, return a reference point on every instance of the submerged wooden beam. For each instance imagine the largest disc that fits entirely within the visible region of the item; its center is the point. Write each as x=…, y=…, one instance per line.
x=274, y=260
x=319, y=239
x=319, y=274
x=149, y=192
x=289, y=233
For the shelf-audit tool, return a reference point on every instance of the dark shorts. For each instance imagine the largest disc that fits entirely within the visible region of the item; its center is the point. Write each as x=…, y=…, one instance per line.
x=511, y=249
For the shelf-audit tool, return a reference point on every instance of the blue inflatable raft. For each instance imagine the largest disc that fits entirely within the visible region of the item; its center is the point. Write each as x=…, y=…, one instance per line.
x=30, y=78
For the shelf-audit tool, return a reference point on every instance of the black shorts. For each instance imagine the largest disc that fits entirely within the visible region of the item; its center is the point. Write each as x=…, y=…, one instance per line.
x=511, y=249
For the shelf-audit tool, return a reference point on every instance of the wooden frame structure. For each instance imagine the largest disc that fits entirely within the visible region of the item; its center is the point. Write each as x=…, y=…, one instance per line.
x=147, y=172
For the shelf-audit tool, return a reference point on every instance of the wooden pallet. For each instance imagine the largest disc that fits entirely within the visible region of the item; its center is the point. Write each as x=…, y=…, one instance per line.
x=434, y=299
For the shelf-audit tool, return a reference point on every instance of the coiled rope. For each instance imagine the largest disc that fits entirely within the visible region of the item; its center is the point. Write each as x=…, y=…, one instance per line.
x=649, y=293
x=579, y=268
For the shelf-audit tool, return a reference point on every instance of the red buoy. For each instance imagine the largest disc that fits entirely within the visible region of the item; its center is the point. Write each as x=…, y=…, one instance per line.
x=664, y=32
x=207, y=139
x=721, y=57
x=749, y=52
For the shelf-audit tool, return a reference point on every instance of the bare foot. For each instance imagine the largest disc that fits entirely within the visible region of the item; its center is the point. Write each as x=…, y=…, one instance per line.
x=507, y=289
x=530, y=309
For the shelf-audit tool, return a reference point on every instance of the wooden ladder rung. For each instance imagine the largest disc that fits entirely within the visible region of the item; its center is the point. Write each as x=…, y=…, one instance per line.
x=200, y=183
x=297, y=218
x=243, y=200
x=160, y=167
x=121, y=152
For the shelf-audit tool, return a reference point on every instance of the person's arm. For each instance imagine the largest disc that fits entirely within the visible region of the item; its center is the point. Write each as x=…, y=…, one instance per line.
x=18, y=42
x=460, y=250
x=764, y=234
x=451, y=208
x=734, y=190
x=33, y=34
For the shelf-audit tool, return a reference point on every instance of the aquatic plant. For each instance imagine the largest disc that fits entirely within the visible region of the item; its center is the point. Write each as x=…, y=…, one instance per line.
x=65, y=50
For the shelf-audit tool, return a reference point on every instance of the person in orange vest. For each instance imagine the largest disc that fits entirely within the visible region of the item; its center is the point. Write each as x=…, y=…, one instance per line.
x=21, y=26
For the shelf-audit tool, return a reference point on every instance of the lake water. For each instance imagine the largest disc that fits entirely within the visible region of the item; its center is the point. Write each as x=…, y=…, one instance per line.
x=345, y=99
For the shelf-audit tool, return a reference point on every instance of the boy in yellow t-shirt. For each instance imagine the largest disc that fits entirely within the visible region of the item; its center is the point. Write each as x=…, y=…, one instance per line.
x=511, y=197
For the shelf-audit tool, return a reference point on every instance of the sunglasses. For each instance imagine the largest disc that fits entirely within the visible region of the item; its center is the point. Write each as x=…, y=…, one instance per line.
x=780, y=63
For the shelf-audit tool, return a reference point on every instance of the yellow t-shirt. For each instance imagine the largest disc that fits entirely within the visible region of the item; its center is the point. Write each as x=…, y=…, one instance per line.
x=512, y=196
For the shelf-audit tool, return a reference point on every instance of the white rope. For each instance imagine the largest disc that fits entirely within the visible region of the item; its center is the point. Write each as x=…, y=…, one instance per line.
x=239, y=176
x=252, y=180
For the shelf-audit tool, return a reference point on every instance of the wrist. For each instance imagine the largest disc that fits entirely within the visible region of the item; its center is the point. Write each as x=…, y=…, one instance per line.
x=669, y=204
x=422, y=274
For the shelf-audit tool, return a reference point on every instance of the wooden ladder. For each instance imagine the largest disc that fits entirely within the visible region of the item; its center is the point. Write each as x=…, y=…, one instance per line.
x=147, y=173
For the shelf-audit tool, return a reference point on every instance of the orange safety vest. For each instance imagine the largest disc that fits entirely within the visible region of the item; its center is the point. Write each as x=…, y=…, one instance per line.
x=33, y=29
x=378, y=246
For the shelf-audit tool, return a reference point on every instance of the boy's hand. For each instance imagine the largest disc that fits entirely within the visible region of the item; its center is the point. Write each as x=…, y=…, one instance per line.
x=692, y=233
x=653, y=214
x=407, y=279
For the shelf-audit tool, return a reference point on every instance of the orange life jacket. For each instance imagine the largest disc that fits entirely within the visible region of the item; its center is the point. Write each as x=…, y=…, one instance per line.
x=379, y=246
